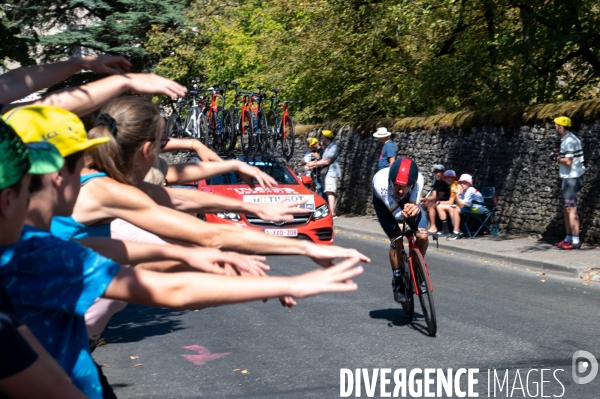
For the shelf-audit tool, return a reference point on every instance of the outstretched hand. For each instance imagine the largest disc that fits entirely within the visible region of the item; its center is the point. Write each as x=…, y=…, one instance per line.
x=337, y=278
x=106, y=64
x=248, y=172
x=213, y=261
x=324, y=255
x=281, y=211
x=149, y=83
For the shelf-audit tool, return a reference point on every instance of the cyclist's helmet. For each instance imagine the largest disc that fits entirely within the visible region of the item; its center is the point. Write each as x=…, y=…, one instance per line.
x=404, y=172
x=450, y=173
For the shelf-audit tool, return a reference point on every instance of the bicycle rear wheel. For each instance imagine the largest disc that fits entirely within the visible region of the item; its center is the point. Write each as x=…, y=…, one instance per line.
x=173, y=126
x=288, y=137
x=247, y=132
x=228, y=133
x=425, y=291
x=409, y=305
x=262, y=135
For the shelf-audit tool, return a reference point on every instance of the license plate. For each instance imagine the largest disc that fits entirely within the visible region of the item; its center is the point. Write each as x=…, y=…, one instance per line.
x=282, y=232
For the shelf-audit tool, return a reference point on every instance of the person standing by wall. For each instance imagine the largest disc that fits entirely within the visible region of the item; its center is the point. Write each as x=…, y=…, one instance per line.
x=571, y=170
x=388, y=152
x=330, y=169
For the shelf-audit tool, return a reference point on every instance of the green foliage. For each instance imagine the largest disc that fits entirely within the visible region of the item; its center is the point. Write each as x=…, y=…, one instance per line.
x=109, y=26
x=348, y=59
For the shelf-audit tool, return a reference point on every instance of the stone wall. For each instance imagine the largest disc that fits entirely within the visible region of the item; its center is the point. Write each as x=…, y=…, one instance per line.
x=514, y=160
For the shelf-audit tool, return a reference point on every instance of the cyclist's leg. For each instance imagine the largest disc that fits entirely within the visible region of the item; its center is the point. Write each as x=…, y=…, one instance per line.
x=389, y=224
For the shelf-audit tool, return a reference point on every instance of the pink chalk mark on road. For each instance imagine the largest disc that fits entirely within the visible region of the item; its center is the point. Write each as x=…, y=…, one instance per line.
x=203, y=355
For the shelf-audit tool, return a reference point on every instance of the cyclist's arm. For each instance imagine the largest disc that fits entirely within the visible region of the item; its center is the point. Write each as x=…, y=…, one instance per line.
x=204, y=153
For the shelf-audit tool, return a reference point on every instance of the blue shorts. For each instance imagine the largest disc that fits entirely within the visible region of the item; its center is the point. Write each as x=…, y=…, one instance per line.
x=388, y=222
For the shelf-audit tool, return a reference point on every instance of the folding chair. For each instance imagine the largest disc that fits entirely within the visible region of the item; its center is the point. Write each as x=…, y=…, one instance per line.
x=486, y=220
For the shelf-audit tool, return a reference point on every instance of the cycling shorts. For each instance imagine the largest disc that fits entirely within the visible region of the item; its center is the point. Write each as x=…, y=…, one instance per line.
x=388, y=223
x=570, y=188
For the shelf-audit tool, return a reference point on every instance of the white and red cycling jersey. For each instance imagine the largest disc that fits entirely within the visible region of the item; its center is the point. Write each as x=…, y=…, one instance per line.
x=384, y=190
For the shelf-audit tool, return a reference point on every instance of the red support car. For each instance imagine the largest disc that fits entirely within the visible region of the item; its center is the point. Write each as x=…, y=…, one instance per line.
x=316, y=226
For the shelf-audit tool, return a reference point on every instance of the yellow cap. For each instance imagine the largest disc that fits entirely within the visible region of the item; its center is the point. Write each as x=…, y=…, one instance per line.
x=327, y=133
x=563, y=121
x=312, y=142
x=54, y=125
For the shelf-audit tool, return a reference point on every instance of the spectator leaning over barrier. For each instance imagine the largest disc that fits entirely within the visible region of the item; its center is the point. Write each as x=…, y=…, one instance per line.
x=388, y=152
x=26, y=369
x=466, y=194
x=571, y=170
x=439, y=191
x=443, y=206
x=330, y=169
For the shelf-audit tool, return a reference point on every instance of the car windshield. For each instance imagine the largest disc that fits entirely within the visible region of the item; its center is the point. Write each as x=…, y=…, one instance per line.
x=273, y=169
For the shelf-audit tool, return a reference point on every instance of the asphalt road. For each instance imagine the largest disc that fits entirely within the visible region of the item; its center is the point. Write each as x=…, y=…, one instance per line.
x=489, y=317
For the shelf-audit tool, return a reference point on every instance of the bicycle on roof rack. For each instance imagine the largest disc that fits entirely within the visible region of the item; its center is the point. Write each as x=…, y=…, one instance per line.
x=219, y=121
x=194, y=124
x=281, y=128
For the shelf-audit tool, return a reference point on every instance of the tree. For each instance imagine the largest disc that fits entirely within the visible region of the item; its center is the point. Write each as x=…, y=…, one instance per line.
x=73, y=27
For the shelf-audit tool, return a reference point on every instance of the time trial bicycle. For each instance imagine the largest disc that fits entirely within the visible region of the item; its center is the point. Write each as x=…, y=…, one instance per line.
x=416, y=278
x=194, y=123
x=221, y=130
x=281, y=128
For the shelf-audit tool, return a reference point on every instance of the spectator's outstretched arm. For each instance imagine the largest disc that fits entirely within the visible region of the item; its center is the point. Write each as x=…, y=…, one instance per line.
x=204, y=153
x=183, y=199
x=188, y=172
x=43, y=379
x=81, y=100
x=132, y=205
x=208, y=260
x=193, y=290
x=21, y=82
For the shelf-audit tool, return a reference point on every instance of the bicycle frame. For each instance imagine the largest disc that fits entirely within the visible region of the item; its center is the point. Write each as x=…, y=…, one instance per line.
x=412, y=244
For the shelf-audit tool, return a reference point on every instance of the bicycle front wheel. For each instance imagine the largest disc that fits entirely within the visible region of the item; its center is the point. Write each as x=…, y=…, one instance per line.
x=425, y=290
x=288, y=137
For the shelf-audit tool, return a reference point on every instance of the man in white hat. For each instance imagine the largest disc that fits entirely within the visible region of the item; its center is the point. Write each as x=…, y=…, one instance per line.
x=388, y=152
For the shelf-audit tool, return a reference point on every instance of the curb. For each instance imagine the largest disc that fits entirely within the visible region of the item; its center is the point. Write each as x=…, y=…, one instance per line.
x=507, y=260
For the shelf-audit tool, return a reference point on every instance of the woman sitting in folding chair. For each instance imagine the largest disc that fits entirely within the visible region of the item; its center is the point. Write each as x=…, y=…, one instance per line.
x=468, y=199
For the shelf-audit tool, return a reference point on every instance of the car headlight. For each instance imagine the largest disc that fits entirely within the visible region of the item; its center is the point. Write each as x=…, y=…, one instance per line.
x=229, y=216
x=321, y=212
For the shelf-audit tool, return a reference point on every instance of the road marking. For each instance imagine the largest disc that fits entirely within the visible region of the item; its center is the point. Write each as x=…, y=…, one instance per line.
x=203, y=355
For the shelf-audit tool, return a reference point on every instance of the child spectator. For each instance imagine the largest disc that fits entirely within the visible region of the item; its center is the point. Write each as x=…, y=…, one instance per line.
x=468, y=199
x=26, y=369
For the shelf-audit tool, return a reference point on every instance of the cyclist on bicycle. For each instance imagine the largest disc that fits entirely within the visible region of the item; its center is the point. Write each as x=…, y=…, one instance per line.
x=396, y=194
